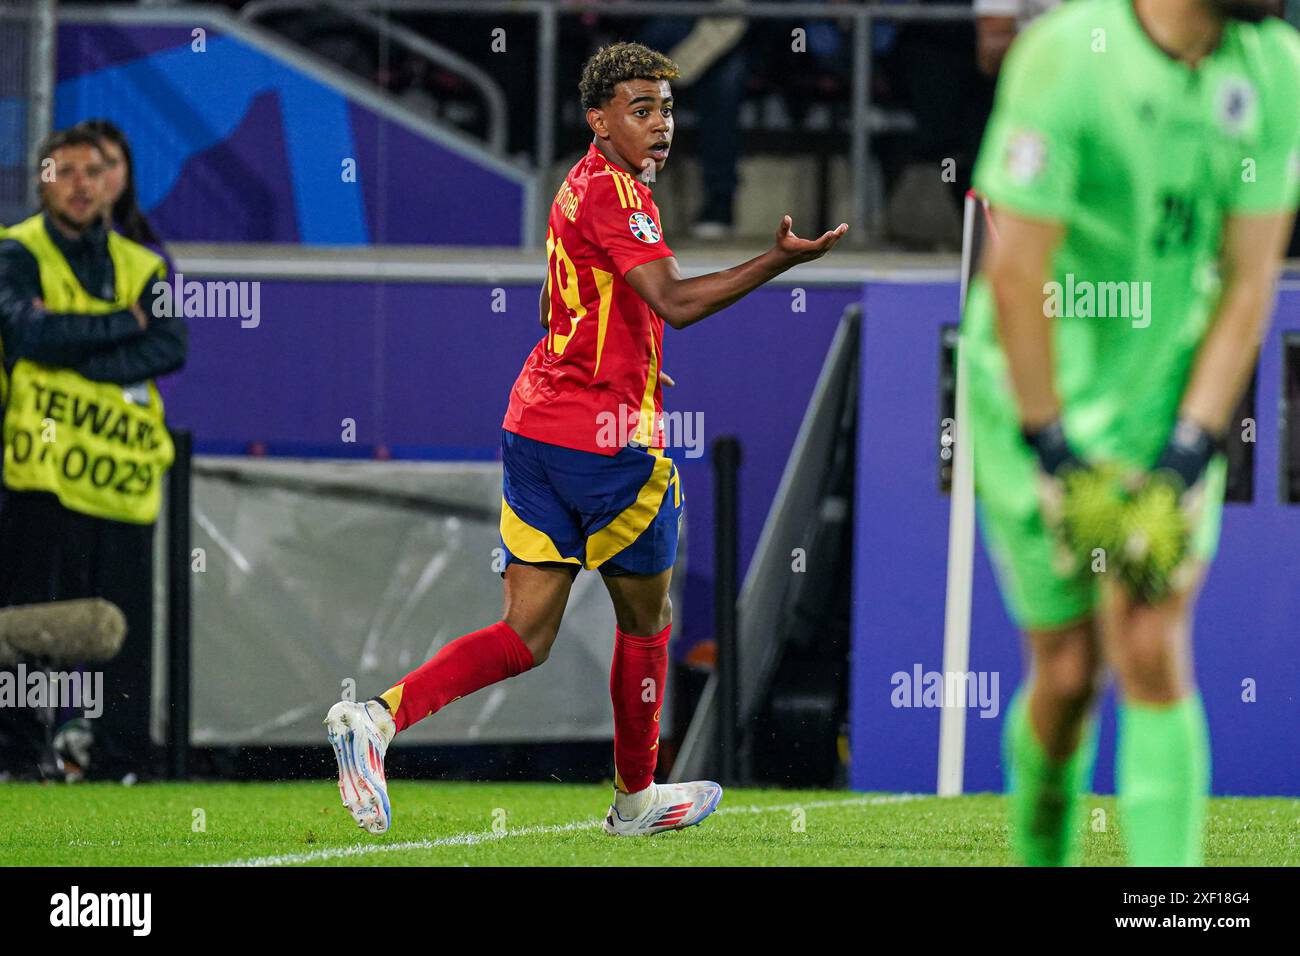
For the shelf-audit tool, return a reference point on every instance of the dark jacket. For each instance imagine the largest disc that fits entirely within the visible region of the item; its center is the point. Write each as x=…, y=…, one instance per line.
x=104, y=348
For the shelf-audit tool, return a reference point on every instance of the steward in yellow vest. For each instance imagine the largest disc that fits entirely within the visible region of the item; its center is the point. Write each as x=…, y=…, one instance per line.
x=85, y=447
x=82, y=416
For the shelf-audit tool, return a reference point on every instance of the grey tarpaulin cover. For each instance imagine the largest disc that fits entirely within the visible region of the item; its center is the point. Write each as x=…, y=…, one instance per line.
x=315, y=572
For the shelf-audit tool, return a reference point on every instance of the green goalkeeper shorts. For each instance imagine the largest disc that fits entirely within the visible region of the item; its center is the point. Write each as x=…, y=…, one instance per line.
x=1036, y=595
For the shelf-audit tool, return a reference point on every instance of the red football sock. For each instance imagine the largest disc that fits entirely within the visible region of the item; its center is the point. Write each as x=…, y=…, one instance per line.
x=636, y=685
x=462, y=667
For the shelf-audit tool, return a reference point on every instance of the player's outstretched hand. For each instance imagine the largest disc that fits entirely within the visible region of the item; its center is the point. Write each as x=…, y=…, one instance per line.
x=806, y=250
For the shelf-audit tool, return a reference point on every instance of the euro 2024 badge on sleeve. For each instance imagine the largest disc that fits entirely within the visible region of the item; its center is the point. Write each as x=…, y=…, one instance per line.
x=643, y=227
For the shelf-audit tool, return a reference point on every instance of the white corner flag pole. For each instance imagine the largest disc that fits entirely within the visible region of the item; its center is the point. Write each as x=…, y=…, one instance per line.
x=961, y=551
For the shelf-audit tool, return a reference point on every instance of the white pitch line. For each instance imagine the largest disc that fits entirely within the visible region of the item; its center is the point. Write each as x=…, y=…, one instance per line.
x=364, y=849
x=822, y=804
x=488, y=836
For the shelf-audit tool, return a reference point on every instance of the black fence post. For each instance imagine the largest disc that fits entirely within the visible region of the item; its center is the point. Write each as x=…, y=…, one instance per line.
x=726, y=560
x=178, y=607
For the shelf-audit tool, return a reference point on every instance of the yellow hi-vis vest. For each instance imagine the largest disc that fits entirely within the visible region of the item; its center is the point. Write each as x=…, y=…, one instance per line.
x=103, y=453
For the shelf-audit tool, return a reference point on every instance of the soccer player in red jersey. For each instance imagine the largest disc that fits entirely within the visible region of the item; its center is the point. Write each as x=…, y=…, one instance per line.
x=586, y=483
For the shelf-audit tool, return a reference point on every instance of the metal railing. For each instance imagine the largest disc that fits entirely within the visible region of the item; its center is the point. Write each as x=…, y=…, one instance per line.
x=547, y=13
x=480, y=79
x=27, y=30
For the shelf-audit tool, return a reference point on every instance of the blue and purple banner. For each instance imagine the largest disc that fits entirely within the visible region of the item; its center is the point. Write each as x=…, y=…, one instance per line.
x=237, y=140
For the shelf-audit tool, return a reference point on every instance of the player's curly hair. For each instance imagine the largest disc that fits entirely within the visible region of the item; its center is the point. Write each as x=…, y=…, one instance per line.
x=618, y=63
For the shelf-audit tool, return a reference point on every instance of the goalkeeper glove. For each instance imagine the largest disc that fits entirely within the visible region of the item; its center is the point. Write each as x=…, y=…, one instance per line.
x=1081, y=504
x=1155, y=557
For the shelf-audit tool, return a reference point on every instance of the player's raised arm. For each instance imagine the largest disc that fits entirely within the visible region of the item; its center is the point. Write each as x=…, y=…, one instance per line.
x=682, y=302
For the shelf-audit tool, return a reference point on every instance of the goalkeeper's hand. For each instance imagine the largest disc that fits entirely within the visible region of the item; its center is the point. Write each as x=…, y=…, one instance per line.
x=1081, y=503
x=1155, y=557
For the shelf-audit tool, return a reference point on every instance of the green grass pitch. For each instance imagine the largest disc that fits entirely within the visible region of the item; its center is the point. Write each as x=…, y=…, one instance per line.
x=544, y=824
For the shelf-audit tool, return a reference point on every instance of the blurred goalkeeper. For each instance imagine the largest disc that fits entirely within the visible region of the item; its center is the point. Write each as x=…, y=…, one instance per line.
x=586, y=483
x=1141, y=164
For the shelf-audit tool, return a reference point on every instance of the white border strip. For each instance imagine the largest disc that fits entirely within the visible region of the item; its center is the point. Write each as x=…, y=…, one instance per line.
x=488, y=836
x=961, y=544
x=295, y=265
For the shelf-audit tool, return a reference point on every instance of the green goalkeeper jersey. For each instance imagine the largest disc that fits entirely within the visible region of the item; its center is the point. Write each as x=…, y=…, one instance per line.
x=1141, y=158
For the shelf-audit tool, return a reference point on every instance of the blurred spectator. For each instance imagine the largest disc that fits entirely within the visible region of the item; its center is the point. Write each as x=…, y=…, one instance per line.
x=711, y=57
x=717, y=56
x=996, y=24
x=933, y=66
x=121, y=211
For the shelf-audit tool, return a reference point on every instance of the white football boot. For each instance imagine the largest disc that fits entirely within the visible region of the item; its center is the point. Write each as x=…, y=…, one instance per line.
x=668, y=806
x=360, y=734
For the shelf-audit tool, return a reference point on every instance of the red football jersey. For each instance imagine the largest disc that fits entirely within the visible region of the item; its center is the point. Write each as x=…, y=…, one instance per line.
x=593, y=382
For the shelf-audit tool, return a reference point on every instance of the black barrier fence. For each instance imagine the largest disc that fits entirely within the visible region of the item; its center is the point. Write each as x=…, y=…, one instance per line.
x=726, y=575
x=178, y=607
